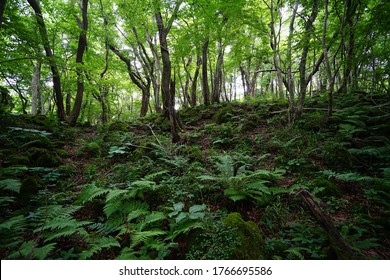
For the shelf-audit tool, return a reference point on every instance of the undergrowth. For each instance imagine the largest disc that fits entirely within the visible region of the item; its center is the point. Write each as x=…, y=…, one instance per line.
x=124, y=191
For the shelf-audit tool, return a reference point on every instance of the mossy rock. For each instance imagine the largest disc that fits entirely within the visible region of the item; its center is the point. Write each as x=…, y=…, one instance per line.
x=193, y=153
x=251, y=240
x=118, y=126
x=327, y=188
x=43, y=158
x=15, y=158
x=38, y=141
x=44, y=121
x=30, y=186
x=190, y=115
x=224, y=115
x=93, y=148
x=219, y=242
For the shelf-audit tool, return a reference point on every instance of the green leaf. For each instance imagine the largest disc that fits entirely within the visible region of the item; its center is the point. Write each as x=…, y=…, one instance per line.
x=142, y=236
x=235, y=194
x=197, y=208
x=181, y=217
x=195, y=216
x=13, y=185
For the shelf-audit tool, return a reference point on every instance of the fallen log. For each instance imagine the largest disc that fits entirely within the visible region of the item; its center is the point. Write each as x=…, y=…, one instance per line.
x=342, y=249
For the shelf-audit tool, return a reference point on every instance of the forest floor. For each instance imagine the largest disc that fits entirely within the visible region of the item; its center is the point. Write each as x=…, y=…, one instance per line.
x=238, y=186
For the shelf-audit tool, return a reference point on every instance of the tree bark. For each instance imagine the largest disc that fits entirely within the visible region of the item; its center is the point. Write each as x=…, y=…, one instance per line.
x=36, y=88
x=142, y=83
x=303, y=80
x=205, y=82
x=2, y=10
x=326, y=59
x=167, y=85
x=49, y=54
x=82, y=45
x=339, y=245
x=195, y=81
x=217, y=88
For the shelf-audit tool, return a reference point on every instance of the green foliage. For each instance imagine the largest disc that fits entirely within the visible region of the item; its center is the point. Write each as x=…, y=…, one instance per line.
x=250, y=238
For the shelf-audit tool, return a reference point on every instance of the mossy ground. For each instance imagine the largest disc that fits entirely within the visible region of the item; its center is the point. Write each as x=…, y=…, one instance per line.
x=343, y=162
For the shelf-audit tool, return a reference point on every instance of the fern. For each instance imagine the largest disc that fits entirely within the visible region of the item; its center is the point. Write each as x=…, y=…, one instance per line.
x=12, y=185
x=152, y=218
x=143, y=236
x=90, y=192
x=100, y=244
x=28, y=250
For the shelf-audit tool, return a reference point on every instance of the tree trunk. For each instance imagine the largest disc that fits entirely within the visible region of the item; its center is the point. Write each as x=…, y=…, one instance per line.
x=195, y=81
x=205, y=82
x=2, y=10
x=167, y=85
x=53, y=65
x=35, y=88
x=326, y=59
x=338, y=244
x=82, y=45
x=275, y=50
x=303, y=80
x=142, y=83
x=217, y=88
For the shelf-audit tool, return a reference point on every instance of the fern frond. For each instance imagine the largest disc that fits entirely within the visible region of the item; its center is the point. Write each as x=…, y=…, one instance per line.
x=90, y=192
x=152, y=218
x=156, y=175
x=142, y=236
x=101, y=243
x=12, y=185
x=225, y=165
x=114, y=194
x=136, y=213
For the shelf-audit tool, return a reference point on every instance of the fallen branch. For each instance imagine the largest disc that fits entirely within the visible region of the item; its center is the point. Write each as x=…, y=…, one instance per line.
x=339, y=245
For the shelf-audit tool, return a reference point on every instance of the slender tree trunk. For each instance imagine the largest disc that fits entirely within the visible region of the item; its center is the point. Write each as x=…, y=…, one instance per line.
x=290, y=76
x=53, y=65
x=142, y=83
x=195, y=81
x=303, y=80
x=167, y=85
x=326, y=59
x=217, y=88
x=35, y=88
x=82, y=45
x=2, y=10
x=205, y=81
x=156, y=79
x=275, y=50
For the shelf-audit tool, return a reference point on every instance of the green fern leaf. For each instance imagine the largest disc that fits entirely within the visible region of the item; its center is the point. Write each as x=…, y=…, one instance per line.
x=13, y=185
x=90, y=192
x=142, y=236
x=101, y=243
x=152, y=218
x=114, y=194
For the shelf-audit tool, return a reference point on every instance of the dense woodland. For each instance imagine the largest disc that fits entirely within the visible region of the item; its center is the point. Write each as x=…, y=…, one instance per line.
x=158, y=129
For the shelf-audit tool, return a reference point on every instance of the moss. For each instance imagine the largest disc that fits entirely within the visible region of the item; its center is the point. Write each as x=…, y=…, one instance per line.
x=224, y=115
x=93, y=148
x=217, y=243
x=118, y=126
x=43, y=158
x=251, y=240
x=328, y=189
x=30, y=186
x=194, y=153
x=15, y=158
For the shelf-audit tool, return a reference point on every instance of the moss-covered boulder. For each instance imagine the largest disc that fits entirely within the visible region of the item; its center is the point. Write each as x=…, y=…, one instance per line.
x=326, y=188
x=118, y=126
x=43, y=158
x=251, y=243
